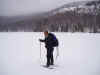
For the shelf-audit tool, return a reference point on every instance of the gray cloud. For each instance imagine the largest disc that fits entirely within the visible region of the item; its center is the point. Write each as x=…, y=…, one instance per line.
x=17, y=7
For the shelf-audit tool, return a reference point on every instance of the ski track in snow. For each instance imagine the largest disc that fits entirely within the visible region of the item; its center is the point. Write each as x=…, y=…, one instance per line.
x=20, y=54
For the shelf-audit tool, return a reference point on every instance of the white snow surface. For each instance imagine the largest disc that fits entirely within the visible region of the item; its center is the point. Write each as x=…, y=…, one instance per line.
x=79, y=54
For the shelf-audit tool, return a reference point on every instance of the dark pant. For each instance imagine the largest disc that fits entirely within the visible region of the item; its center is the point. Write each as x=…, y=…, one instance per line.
x=50, y=60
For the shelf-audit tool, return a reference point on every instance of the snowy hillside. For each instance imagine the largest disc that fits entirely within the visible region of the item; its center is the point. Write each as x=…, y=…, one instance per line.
x=78, y=16
x=79, y=7
x=20, y=54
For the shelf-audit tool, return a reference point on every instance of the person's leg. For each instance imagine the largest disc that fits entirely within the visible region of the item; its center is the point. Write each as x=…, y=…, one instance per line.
x=51, y=57
x=48, y=61
x=48, y=57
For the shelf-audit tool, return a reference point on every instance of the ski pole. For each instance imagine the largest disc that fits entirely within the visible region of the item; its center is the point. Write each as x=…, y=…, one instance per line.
x=57, y=52
x=40, y=50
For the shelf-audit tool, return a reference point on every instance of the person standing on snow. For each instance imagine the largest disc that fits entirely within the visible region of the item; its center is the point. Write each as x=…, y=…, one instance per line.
x=50, y=42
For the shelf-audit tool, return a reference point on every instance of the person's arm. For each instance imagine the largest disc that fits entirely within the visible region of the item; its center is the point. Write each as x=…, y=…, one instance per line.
x=42, y=40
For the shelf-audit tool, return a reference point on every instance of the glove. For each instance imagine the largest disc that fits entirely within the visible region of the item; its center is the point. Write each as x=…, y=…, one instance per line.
x=40, y=40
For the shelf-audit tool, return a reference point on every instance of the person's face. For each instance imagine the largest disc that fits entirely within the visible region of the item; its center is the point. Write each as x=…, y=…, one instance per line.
x=46, y=34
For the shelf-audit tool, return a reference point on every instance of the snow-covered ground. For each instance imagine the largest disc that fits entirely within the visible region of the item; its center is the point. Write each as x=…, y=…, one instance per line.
x=20, y=54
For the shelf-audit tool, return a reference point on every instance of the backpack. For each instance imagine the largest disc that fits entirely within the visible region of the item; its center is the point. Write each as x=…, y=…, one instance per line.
x=55, y=42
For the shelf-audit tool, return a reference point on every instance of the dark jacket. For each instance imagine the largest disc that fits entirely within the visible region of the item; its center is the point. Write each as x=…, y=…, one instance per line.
x=49, y=40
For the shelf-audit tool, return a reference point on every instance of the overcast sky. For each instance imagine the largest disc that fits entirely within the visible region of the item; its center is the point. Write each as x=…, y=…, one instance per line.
x=18, y=7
